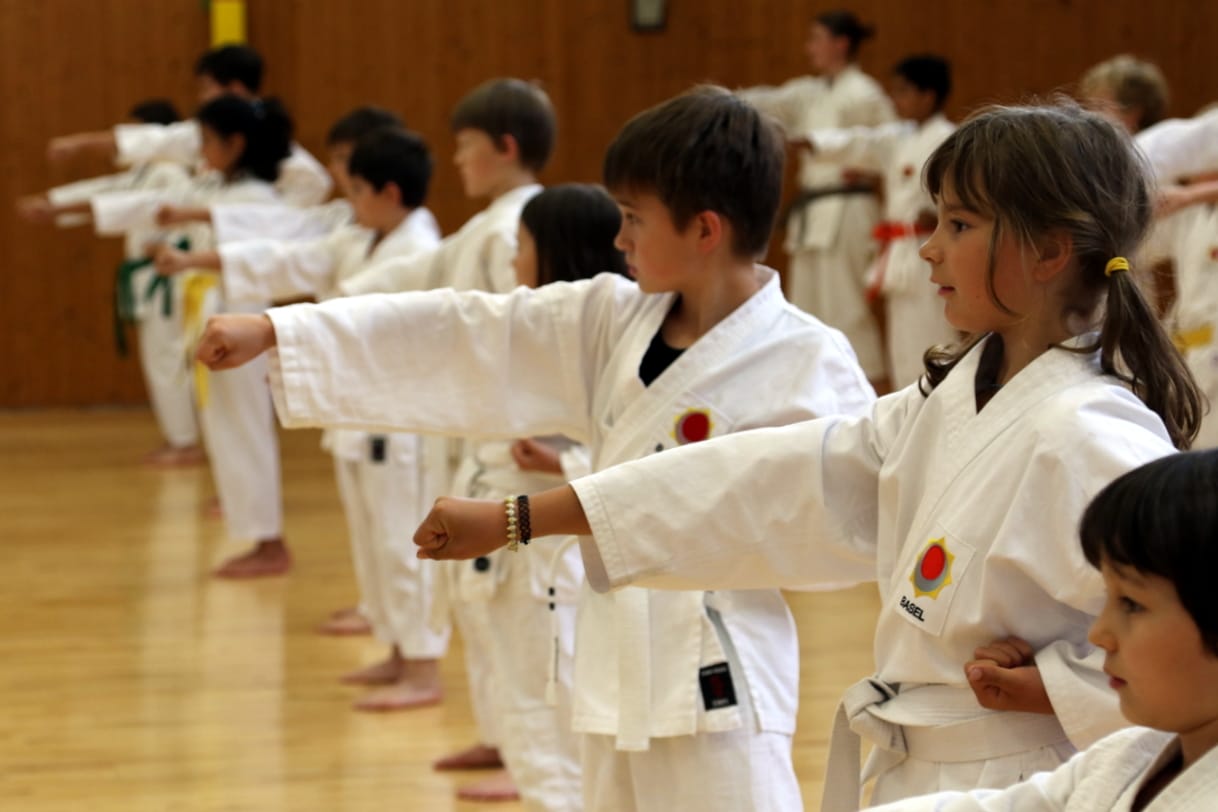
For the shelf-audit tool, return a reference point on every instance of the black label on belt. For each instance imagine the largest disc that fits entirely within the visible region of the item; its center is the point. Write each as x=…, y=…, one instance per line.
x=717, y=688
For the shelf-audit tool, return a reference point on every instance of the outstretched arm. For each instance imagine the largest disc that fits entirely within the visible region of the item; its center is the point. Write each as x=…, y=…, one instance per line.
x=65, y=147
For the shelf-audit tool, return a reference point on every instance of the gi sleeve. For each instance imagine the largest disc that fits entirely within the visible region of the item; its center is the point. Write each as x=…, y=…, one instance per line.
x=778, y=507
x=470, y=364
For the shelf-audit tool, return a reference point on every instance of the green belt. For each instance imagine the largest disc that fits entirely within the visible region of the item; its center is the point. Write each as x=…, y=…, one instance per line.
x=124, y=294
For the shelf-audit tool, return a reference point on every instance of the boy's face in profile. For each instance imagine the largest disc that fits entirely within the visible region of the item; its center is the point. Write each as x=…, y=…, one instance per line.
x=911, y=102
x=480, y=162
x=1157, y=662
x=337, y=160
x=373, y=209
x=658, y=255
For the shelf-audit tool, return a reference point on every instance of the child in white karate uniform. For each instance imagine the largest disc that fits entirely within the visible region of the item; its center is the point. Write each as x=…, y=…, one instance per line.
x=504, y=131
x=566, y=233
x=831, y=221
x=920, y=86
x=154, y=306
x=681, y=700
x=381, y=476
x=960, y=496
x=226, y=69
x=1153, y=534
x=243, y=144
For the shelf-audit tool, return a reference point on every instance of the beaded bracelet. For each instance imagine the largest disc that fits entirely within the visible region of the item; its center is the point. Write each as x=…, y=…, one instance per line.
x=518, y=529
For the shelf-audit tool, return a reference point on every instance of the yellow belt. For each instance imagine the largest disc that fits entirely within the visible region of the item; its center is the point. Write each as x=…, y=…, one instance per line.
x=194, y=293
x=1186, y=340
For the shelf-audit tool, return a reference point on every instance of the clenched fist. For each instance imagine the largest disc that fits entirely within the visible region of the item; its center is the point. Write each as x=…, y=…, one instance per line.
x=234, y=339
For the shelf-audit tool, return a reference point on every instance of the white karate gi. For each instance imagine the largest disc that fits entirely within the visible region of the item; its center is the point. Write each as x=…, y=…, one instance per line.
x=915, y=311
x=829, y=239
x=236, y=416
x=279, y=221
x=564, y=359
x=382, y=480
x=161, y=341
x=967, y=520
x=302, y=180
x=1180, y=147
x=1106, y=777
x=1189, y=238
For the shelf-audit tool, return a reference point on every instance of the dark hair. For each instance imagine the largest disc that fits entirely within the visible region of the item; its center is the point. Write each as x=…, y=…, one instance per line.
x=155, y=111
x=393, y=155
x=927, y=72
x=359, y=122
x=1162, y=519
x=511, y=107
x=573, y=226
x=842, y=23
x=232, y=63
x=1034, y=170
x=264, y=123
x=705, y=150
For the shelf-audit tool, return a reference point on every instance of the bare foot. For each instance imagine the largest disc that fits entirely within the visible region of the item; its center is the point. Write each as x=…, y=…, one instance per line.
x=269, y=557
x=401, y=695
x=345, y=622
x=386, y=672
x=168, y=456
x=478, y=757
x=498, y=786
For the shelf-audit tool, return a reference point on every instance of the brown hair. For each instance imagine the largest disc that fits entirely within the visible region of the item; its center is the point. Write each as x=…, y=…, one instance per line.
x=705, y=150
x=1039, y=169
x=1133, y=83
x=512, y=107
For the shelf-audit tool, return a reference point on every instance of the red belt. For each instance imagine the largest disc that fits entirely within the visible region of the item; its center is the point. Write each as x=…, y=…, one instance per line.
x=890, y=230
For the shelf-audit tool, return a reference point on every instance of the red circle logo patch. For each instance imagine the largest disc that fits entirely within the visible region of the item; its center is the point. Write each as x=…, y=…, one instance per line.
x=693, y=427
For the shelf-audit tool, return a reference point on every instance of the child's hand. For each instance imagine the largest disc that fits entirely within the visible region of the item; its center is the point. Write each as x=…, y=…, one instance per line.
x=1004, y=676
x=36, y=209
x=62, y=148
x=532, y=455
x=462, y=528
x=169, y=260
x=171, y=216
x=234, y=339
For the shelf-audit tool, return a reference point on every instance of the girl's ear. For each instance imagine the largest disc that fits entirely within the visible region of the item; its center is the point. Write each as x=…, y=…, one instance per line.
x=1053, y=254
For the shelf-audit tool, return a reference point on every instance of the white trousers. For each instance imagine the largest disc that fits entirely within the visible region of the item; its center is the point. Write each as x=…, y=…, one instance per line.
x=915, y=323
x=239, y=432
x=473, y=621
x=535, y=738
x=162, y=344
x=742, y=770
x=830, y=283
x=383, y=503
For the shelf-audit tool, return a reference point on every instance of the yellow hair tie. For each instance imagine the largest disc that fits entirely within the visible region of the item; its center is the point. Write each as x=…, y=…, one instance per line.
x=1116, y=264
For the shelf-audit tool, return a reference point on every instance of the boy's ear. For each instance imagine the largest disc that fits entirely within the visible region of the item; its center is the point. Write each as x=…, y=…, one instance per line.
x=392, y=192
x=1053, y=253
x=509, y=146
x=711, y=229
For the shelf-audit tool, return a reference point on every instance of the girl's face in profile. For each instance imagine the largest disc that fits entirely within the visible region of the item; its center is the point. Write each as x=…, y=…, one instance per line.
x=1157, y=663
x=525, y=261
x=219, y=152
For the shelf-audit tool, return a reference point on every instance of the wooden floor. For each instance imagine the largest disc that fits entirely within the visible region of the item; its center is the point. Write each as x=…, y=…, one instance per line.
x=131, y=681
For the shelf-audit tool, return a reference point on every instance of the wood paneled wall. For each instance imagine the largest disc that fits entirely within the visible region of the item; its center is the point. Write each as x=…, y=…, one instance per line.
x=68, y=65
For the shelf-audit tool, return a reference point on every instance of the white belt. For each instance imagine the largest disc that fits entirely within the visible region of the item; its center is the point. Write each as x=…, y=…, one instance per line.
x=868, y=711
